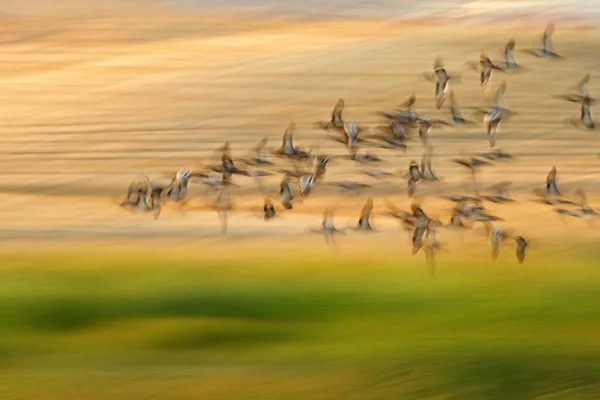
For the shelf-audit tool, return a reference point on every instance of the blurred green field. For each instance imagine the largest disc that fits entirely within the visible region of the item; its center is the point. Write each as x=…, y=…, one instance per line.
x=95, y=325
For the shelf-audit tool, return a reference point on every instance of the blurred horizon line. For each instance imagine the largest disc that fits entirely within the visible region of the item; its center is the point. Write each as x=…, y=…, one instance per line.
x=460, y=10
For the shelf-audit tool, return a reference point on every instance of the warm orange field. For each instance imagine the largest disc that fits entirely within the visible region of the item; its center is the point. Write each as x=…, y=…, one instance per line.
x=89, y=103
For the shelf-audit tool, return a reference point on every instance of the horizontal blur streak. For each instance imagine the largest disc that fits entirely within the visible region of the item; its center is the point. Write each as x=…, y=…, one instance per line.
x=285, y=329
x=319, y=9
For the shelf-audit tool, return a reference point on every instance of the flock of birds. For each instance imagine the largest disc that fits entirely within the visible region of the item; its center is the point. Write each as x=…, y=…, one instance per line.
x=308, y=167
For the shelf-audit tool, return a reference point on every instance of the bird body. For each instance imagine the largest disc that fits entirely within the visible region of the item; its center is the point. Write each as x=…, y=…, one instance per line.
x=522, y=244
x=269, y=210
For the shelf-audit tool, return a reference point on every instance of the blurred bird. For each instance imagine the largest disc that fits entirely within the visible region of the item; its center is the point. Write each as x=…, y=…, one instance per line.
x=442, y=79
x=582, y=88
x=510, y=61
x=485, y=66
x=285, y=193
x=424, y=224
x=426, y=170
x=496, y=114
x=288, y=149
x=378, y=174
x=328, y=228
x=178, y=188
x=363, y=158
x=392, y=135
x=227, y=165
x=582, y=210
x=551, y=195
x=457, y=117
x=522, y=245
x=336, y=121
x=364, y=221
x=456, y=220
x=551, y=185
x=407, y=219
x=306, y=185
x=498, y=236
x=414, y=176
x=352, y=186
x=269, y=210
x=472, y=163
x=223, y=206
x=143, y=196
x=496, y=154
x=547, y=49
x=585, y=119
x=425, y=125
x=257, y=155
x=431, y=246
x=320, y=164
x=349, y=135
x=500, y=193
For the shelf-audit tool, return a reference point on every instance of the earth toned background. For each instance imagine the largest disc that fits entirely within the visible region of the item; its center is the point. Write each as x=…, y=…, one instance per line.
x=99, y=303
x=91, y=100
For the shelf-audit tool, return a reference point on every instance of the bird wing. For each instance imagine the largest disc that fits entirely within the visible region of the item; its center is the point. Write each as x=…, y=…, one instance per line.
x=500, y=186
x=581, y=197
x=336, y=113
x=500, y=99
x=367, y=209
x=392, y=207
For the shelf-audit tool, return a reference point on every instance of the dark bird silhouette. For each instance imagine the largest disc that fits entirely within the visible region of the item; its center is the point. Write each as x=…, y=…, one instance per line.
x=269, y=211
x=288, y=149
x=551, y=184
x=551, y=195
x=364, y=221
x=227, y=165
x=423, y=224
x=522, y=245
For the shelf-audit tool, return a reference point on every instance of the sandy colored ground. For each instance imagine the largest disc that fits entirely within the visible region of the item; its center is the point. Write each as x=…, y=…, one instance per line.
x=88, y=103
